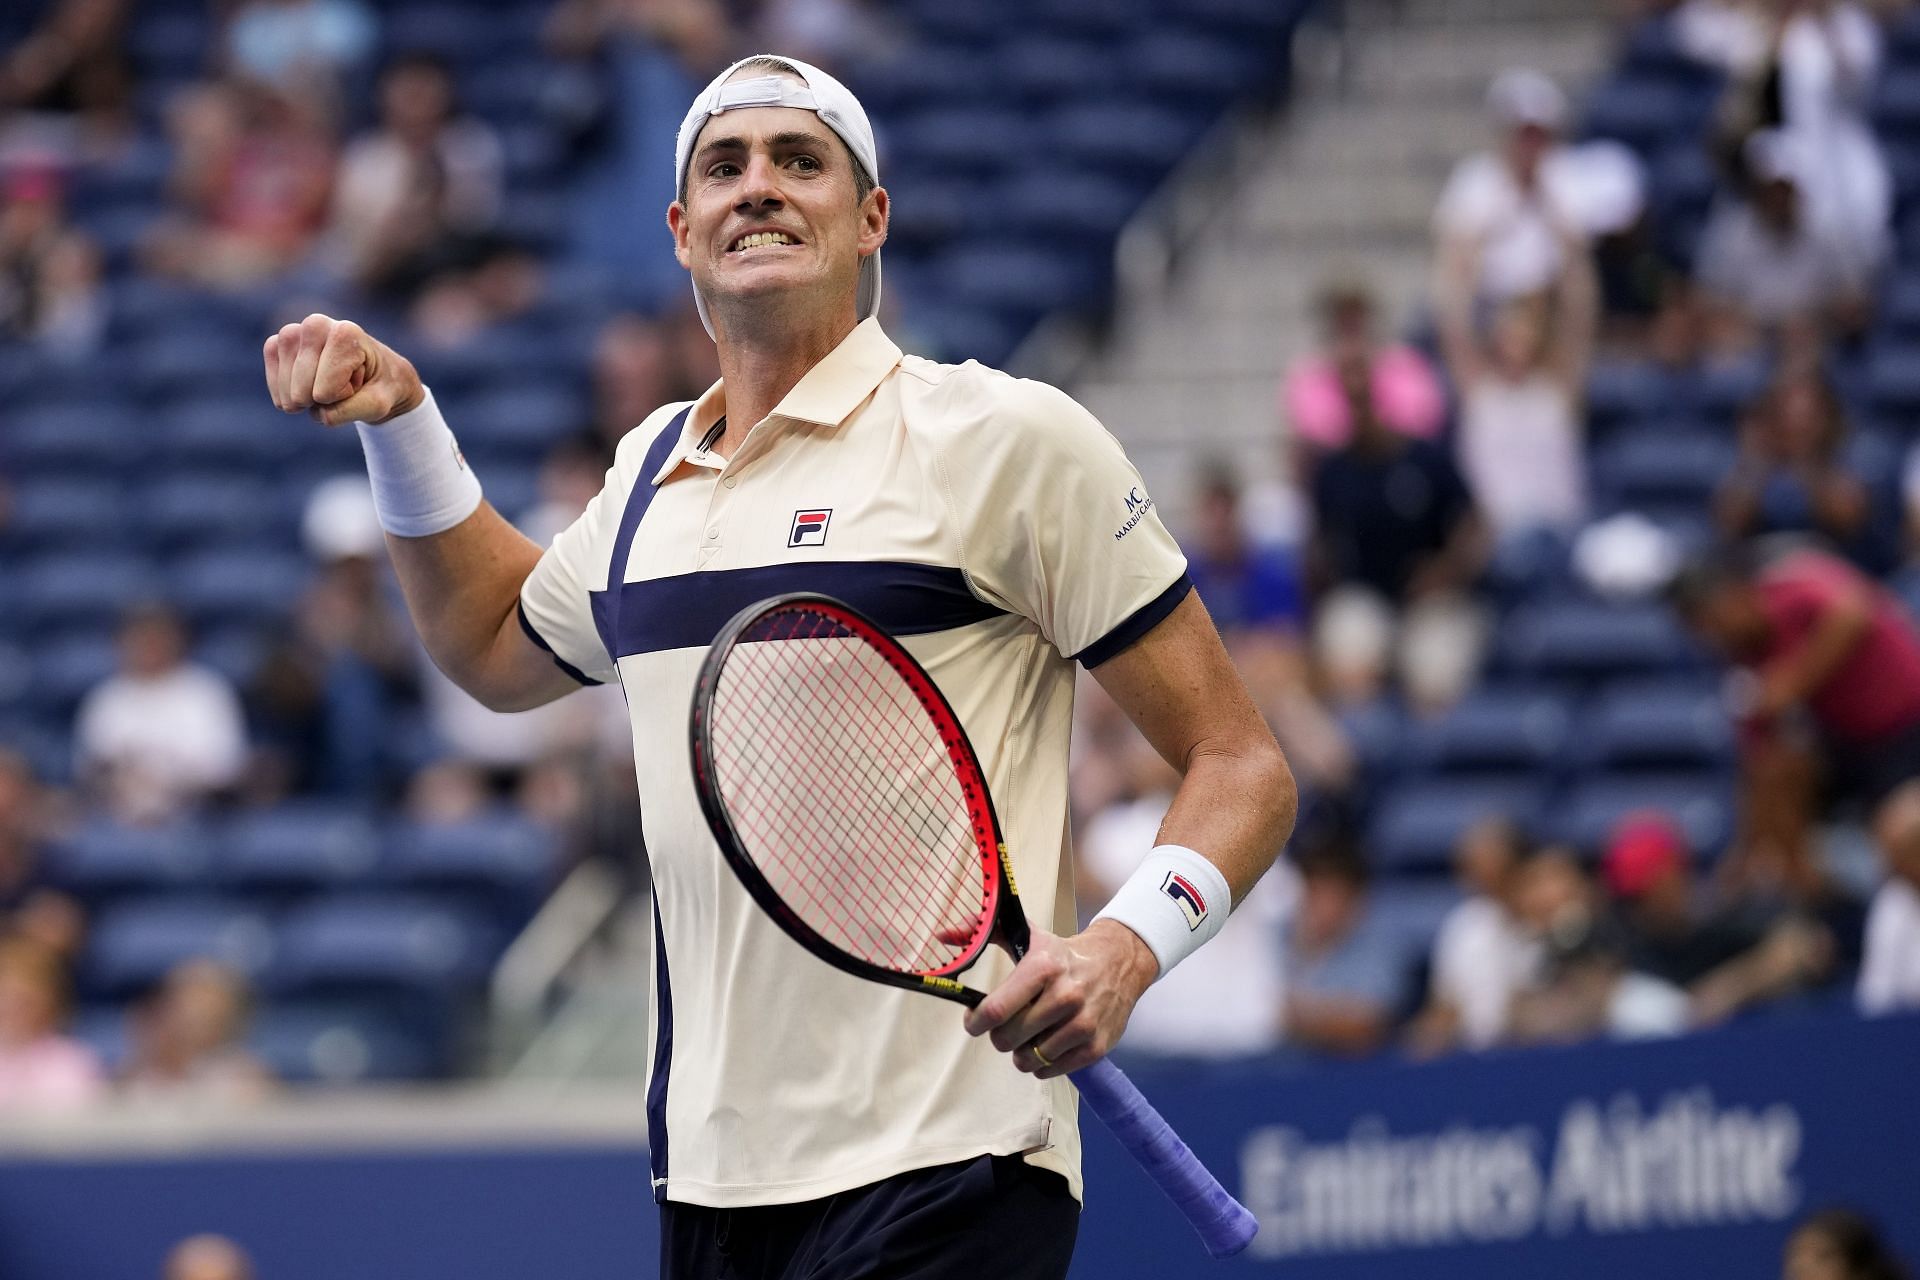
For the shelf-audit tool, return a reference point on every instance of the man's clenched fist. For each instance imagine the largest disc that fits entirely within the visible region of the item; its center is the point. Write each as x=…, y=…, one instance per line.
x=336, y=372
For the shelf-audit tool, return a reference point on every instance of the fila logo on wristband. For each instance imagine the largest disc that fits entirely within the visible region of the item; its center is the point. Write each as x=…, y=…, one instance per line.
x=1182, y=891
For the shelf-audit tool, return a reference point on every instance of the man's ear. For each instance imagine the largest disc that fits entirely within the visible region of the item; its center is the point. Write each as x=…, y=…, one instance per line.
x=874, y=213
x=677, y=224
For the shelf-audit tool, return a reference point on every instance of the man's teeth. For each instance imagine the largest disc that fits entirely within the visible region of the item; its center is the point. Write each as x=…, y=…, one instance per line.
x=759, y=238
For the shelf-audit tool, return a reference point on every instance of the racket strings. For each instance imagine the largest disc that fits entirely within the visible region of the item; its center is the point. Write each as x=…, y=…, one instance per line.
x=846, y=795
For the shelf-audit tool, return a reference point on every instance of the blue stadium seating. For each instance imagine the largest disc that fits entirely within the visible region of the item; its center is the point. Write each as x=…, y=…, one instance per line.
x=382, y=942
x=65, y=666
x=1625, y=391
x=71, y=512
x=103, y=858
x=132, y=945
x=190, y=509
x=1699, y=803
x=231, y=584
x=338, y=1042
x=240, y=431
x=1650, y=466
x=95, y=439
x=1656, y=724
x=1590, y=640
x=1494, y=730
x=82, y=588
x=501, y=861
x=302, y=845
x=1893, y=379
x=1416, y=824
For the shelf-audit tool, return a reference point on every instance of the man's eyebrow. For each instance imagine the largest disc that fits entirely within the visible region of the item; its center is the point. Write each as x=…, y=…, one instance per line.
x=780, y=141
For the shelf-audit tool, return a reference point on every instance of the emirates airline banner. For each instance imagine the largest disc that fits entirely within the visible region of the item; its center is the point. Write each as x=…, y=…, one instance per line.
x=1689, y=1157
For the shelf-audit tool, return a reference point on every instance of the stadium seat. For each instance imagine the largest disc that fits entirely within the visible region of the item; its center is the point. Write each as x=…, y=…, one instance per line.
x=103, y=1029
x=1625, y=391
x=1412, y=911
x=529, y=418
x=235, y=585
x=958, y=141
x=1134, y=140
x=1896, y=103
x=1192, y=69
x=65, y=666
x=173, y=365
x=103, y=858
x=68, y=512
x=1015, y=281
x=1700, y=803
x=197, y=509
x=132, y=945
x=94, y=439
x=234, y=652
x=339, y=1043
x=1377, y=732
x=300, y=845
x=81, y=588
x=1493, y=730
x=1721, y=393
x=1899, y=314
x=1590, y=640
x=501, y=860
x=1893, y=379
x=399, y=941
x=1649, y=466
x=241, y=433
x=1416, y=824
x=1657, y=724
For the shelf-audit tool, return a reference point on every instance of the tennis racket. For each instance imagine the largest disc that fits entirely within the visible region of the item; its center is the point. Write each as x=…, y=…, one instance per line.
x=844, y=793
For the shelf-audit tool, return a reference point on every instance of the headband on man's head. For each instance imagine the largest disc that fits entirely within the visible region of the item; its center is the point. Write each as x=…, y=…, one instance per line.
x=819, y=93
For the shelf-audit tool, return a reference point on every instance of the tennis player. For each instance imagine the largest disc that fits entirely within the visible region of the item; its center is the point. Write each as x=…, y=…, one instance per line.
x=804, y=1122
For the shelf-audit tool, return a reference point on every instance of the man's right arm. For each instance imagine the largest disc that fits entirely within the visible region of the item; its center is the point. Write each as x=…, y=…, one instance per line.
x=462, y=584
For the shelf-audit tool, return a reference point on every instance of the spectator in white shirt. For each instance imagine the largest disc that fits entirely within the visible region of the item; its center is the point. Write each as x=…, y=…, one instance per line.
x=1890, y=969
x=1483, y=956
x=162, y=735
x=1808, y=69
x=1766, y=264
x=1225, y=1000
x=1495, y=223
x=1522, y=391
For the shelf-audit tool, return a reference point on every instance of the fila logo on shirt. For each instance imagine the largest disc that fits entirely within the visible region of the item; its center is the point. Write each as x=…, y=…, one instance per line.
x=810, y=527
x=1182, y=891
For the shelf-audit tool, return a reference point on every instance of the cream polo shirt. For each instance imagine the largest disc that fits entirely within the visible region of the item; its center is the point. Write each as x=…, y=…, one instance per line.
x=994, y=526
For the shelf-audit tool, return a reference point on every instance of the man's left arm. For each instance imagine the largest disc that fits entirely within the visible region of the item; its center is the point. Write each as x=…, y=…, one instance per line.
x=1071, y=996
x=1844, y=612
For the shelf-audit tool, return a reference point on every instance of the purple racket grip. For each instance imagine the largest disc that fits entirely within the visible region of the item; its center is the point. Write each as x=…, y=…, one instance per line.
x=1224, y=1224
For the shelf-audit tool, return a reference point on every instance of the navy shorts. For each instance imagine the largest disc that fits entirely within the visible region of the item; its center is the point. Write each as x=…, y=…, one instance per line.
x=995, y=1216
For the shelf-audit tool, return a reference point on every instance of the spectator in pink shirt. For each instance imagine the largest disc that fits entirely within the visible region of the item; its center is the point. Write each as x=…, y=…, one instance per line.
x=40, y=1069
x=1829, y=668
x=1406, y=393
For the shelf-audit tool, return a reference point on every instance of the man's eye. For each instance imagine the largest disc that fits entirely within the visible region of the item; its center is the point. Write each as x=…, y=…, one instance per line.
x=806, y=164
x=725, y=169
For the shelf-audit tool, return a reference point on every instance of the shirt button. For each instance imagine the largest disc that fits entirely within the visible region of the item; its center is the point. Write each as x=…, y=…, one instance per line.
x=731, y=481
x=713, y=534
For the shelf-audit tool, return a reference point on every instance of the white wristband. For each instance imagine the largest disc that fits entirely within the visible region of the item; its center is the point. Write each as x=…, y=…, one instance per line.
x=421, y=483
x=1176, y=900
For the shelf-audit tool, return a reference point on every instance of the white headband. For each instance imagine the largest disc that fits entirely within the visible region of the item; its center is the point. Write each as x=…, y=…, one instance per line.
x=821, y=94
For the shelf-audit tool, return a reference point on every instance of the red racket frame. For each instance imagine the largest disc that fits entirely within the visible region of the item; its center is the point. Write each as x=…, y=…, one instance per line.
x=1005, y=919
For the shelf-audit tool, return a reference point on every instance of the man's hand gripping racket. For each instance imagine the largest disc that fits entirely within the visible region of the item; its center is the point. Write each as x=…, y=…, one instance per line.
x=844, y=793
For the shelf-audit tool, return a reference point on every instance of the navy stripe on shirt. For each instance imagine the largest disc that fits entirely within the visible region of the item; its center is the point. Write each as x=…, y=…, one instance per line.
x=686, y=611
x=1138, y=623
x=526, y=625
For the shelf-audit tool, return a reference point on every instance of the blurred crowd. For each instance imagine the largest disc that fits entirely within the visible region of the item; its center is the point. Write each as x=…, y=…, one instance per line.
x=313, y=159
x=318, y=164
x=1432, y=482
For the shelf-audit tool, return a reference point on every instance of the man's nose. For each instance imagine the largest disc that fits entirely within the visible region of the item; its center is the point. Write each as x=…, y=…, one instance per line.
x=761, y=184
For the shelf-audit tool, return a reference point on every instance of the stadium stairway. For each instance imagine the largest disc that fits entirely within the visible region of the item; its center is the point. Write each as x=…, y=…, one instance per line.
x=1346, y=177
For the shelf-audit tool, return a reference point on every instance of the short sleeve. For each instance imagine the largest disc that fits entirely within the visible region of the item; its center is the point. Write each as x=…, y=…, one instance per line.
x=556, y=604
x=1056, y=524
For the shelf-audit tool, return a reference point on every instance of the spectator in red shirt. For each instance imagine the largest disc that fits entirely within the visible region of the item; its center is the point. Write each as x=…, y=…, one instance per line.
x=1827, y=692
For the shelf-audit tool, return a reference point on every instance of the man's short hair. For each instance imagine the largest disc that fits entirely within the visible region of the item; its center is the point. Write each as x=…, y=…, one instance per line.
x=863, y=182
x=1711, y=571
